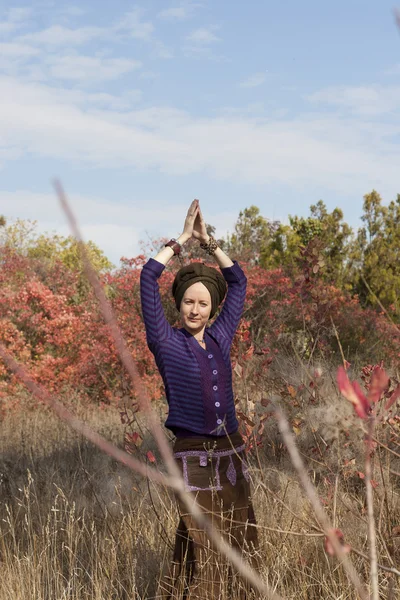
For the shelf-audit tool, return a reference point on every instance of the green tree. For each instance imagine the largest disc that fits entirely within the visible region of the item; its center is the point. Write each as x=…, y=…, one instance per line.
x=251, y=236
x=334, y=237
x=46, y=250
x=376, y=254
x=66, y=249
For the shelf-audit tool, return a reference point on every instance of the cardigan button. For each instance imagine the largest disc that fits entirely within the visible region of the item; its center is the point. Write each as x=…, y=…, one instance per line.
x=219, y=421
x=210, y=356
x=215, y=387
x=215, y=372
x=217, y=404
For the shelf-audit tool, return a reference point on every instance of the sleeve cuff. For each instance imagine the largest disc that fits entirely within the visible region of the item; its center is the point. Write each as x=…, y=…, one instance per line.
x=234, y=273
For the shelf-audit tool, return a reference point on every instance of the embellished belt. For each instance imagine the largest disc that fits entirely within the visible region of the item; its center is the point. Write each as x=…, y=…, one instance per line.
x=204, y=456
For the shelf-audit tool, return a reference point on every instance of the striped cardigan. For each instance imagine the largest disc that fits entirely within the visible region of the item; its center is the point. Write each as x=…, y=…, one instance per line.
x=197, y=381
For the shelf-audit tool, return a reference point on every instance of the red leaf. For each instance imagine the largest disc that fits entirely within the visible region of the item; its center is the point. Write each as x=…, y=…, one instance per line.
x=393, y=397
x=353, y=393
x=136, y=439
x=150, y=456
x=378, y=385
x=328, y=545
x=245, y=418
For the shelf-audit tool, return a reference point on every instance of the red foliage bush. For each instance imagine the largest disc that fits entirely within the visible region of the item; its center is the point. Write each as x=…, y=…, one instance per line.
x=56, y=330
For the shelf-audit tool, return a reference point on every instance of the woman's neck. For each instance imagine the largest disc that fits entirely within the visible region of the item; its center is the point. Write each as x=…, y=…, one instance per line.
x=199, y=335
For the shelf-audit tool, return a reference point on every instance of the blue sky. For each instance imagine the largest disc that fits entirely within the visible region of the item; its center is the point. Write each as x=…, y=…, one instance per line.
x=140, y=107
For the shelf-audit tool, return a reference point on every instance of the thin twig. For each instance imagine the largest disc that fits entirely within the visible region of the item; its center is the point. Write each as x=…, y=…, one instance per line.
x=175, y=479
x=335, y=499
x=370, y=512
x=167, y=480
x=386, y=447
x=316, y=504
x=387, y=569
x=65, y=415
x=164, y=535
x=339, y=343
x=380, y=303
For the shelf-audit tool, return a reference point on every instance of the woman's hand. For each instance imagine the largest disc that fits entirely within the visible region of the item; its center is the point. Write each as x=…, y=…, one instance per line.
x=199, y=227
x=190, y=219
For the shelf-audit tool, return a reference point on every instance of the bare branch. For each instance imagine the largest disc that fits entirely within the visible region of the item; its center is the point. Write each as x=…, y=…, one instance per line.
x=65, y=415
x=175, y=477
x=370, y=508
x=316, y=504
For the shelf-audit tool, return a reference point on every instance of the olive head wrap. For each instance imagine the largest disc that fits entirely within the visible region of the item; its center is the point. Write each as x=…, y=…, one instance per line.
x=210, y=277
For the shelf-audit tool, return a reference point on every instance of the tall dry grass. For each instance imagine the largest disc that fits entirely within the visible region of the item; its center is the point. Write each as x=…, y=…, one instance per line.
x=76, y=524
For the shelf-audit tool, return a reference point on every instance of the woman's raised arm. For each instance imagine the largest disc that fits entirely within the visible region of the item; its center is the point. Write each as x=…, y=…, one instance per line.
x=228, y=320
x=157, y=326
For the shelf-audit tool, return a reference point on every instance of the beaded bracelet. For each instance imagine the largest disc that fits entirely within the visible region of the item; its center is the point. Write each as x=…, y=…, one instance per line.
x=211, y=246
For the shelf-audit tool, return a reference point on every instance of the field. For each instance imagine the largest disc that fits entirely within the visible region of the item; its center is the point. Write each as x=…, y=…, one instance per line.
x=75, y=524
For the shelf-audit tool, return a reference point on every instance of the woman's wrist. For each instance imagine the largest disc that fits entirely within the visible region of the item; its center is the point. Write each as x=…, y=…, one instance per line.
x=205, y=240
x=183, y=238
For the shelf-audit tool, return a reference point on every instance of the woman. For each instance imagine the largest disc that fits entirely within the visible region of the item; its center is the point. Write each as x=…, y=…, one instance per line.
x=194, y=362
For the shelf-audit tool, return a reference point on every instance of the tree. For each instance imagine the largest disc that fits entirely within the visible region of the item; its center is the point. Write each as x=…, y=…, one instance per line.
x=252, y=234
x=334, y=236
x=47, y=250
x=376, y=253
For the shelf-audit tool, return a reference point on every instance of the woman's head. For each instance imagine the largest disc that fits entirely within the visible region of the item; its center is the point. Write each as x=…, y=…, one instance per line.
x=195, y=307
x=198, y=291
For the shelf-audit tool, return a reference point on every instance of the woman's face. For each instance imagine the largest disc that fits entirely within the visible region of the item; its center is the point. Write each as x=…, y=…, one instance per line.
x=195, y=307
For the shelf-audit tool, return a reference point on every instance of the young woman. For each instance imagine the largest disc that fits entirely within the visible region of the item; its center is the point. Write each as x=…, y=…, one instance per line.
x=194, y=362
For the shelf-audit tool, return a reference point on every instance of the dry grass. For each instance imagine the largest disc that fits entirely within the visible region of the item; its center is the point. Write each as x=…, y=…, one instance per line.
x=77, y=525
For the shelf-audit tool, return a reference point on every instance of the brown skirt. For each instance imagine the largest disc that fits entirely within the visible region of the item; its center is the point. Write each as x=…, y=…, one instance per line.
x=215, y=472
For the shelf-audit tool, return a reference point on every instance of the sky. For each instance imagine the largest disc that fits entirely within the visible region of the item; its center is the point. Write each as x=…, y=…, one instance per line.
x=137, y=108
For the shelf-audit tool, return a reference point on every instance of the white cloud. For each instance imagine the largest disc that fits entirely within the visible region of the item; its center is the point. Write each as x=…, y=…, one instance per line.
x=20, y=13
x=334, y=152
x=184, y=11
x=15, y=19
x=162, y=51
x=372, y=100
x=254, y=80
x=14, y=50
x=199, y=42
x=203, y=35
x=202, y=52
x=87, y=69
x=148, y=75
x=102, y=101
x=16, y=58
x=73, y=11
x=7, y=27
x=393, y=70
x=133, y=25
x=177, y=12
x=57, y=35
x=115, y=240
